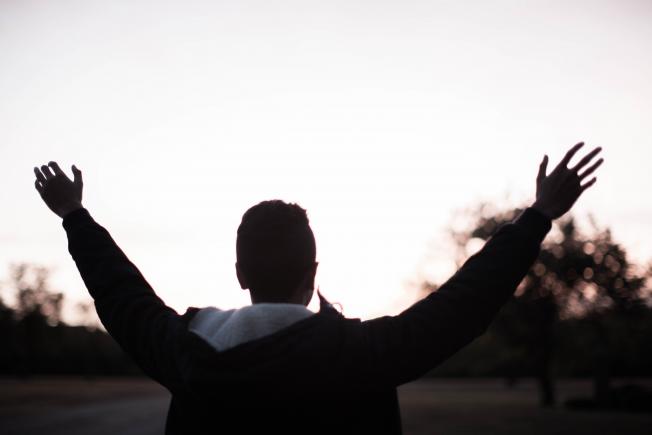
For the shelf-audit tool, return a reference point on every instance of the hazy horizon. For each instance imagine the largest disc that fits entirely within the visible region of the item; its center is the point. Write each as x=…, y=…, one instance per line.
x=380, y=118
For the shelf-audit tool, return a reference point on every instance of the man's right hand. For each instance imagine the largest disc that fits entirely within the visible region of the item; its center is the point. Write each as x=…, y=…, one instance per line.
x=558, y=191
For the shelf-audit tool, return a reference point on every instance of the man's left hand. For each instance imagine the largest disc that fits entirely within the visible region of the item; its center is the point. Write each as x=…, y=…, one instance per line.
x=59, y=193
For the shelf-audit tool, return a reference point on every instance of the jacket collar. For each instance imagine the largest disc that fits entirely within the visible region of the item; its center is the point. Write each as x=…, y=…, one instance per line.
x=325, y=307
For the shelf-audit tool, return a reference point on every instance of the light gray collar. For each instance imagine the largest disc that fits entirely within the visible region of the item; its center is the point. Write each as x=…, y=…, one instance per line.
x=226, y=329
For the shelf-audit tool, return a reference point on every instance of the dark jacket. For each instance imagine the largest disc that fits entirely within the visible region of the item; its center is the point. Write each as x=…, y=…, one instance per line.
x=323, y=374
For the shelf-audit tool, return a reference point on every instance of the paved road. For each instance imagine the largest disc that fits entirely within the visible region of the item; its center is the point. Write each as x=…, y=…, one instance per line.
x=128, y=417
x=487, y=407
x=443, y=407
x=77, y=406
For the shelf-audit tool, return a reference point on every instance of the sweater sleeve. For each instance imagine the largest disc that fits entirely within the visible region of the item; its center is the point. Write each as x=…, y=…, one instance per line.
x=399, y=349
x=147, y=329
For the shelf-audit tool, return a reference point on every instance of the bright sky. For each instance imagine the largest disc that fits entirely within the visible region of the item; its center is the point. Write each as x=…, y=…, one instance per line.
x=380, y=117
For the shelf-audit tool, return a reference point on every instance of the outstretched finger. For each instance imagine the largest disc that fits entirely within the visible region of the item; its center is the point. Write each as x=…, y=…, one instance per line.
x=585, y=161
x=571, y=152
x=588, y=184
x=77, y=174
x=39, y=187
x=542, y=168
x=590, y=170
x=57, y=170
x=39, y=176
x=47, y=172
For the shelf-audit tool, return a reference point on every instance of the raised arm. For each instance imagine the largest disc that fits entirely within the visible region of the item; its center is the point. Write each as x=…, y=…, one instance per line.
x=147, y=329
x=406, y=346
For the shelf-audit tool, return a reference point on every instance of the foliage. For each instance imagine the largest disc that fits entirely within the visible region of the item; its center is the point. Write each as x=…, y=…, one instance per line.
x=36, y=341
x=582, y=309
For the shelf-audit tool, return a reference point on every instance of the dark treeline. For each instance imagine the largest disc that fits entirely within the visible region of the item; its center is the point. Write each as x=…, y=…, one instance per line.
x=583, y=310
x=575, y=354
x=36, y=342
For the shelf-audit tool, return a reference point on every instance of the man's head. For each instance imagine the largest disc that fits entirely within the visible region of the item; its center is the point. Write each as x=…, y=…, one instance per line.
x=275, y=251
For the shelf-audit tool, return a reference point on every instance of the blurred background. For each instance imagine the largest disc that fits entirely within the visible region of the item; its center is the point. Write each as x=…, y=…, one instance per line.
x=409, y=131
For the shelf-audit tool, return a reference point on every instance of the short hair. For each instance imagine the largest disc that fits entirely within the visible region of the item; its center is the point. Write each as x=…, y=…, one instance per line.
x=275, y=247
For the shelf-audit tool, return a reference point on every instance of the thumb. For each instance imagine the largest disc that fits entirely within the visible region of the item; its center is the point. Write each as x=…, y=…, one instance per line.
x=78, y=180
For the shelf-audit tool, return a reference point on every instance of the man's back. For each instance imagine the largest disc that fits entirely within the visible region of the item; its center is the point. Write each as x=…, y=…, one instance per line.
x=287, y=379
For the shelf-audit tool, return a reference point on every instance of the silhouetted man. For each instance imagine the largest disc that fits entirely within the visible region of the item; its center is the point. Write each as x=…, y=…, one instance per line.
x=275, y=366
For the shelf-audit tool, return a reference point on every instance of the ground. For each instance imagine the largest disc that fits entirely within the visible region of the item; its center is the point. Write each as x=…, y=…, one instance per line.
x=444, y=407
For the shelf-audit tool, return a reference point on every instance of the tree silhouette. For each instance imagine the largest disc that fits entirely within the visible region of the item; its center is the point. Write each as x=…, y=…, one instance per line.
x=37, y=341
x=576, y=277
x=35, y=299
